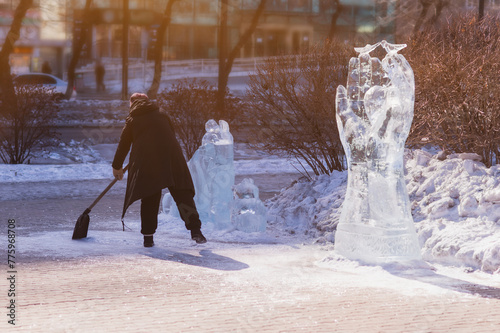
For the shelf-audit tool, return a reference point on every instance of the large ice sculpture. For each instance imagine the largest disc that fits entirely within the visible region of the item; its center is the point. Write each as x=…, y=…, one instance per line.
x=374, y=115
x=212, y=170
x=248, y=213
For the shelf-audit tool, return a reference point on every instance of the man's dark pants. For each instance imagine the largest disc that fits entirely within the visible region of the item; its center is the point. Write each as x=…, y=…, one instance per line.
x=185, y=204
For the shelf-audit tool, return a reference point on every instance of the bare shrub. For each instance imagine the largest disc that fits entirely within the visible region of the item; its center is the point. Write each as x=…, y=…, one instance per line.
x=30, y=127
x=457, y=76
x=190, y=103
x=292, y=102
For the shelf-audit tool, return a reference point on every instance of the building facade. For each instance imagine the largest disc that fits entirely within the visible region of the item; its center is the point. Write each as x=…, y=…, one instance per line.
x=27, y=47
x=286, y=26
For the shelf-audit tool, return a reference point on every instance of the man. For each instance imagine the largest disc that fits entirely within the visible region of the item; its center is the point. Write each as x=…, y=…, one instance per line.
x=156, y=162
x=46, y=68
x=99, y=72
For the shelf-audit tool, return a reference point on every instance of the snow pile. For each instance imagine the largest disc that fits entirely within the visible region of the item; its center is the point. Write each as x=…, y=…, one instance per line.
x=455, y=204
x=473, y=242
x=310, y=207
x=66, y=153
x=92, y=112
x=454, y=188
x=20, y=173
x=63, y=165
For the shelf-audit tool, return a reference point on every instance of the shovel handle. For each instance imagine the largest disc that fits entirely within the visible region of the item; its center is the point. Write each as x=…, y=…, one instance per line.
x=105, y=191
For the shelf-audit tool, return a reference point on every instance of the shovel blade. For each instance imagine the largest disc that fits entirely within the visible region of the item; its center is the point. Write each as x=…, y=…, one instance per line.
x=81, y=226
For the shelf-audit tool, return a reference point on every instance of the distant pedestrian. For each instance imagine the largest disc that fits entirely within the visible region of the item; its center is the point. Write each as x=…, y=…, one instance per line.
x=99, y=76
x=156, y=162
x=46, y=68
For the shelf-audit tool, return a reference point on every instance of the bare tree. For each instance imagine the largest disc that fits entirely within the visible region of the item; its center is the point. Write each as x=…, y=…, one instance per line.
x=335, y=16
x=426, y=4
x=291, y=105
x=79, y=40
x=126, y=23
x=411, y=16
x=222, y=41
x=440, y=5
x=158, y=49
x=30, y=126
x=6, y=85
x=226, y=59
x=425, y=7
x=190, y=103
x=457, y=76
x=481, y=9
x=27, y=111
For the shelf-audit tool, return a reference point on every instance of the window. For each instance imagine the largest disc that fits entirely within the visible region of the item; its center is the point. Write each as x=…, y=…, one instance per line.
x=102, y=4
x=204, y=7
x=183, y=7
x=472, y=4
x=12, y=4
x=299, y=6
x=276, y=5
x=249, y=4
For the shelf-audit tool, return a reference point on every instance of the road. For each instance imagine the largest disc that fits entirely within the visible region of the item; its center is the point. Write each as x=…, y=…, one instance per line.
x=236, y=83
x=56, y=205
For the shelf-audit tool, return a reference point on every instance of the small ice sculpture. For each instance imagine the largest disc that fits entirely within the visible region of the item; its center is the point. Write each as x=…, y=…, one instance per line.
x=248, y=213
x=374, y=115
x=212, y=170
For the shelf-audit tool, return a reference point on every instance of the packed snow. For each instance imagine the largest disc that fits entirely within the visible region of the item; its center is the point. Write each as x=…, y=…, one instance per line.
x=455, y=206
x=102, y=170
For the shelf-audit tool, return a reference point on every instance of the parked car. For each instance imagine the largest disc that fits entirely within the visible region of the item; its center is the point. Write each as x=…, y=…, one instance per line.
x=46, y=80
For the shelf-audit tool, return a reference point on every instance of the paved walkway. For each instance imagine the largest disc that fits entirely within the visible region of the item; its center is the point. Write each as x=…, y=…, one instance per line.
x=241, y=288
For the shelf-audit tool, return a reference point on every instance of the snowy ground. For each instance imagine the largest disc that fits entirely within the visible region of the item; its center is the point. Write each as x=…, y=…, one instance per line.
x=455, y=201
x=285, y=279
x=455, y=204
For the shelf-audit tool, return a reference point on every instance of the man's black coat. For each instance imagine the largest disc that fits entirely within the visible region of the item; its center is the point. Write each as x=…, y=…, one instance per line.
x=156, y=160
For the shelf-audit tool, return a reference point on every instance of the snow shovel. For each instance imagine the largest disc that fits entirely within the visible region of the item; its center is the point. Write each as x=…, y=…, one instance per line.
x=82, y=224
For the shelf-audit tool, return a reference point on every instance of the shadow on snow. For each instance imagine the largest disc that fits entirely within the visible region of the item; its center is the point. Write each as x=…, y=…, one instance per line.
x=206, y=259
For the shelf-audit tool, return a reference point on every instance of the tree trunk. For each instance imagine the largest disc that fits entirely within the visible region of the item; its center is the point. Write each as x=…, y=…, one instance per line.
x=126, y=22
x=226, y=60
x=335, y=16
x=78, y=43
x=7, y=87
x=440, y=5
x=158, y=56
x=481, y=10
x=397, y=11
x=423, y=13
x=223, y=76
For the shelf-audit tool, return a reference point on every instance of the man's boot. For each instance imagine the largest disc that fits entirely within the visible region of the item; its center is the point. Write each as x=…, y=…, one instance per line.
x=148, y=241
x=197, y=236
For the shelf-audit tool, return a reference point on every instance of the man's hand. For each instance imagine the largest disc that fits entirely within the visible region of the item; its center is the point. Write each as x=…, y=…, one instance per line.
x=118, y=174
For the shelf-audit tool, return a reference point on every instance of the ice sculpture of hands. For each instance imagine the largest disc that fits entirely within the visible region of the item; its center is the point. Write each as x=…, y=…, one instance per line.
x=352, y=118
x=374, y=115
x=375, y=111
